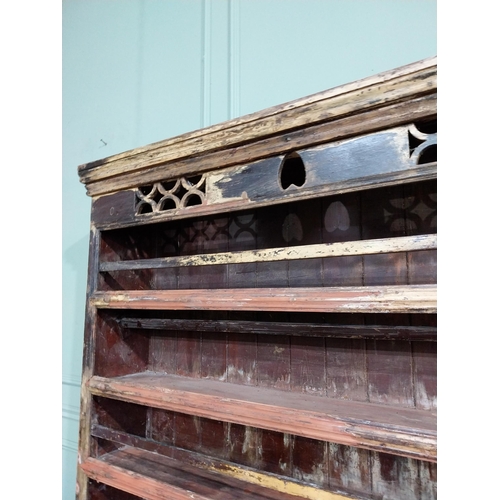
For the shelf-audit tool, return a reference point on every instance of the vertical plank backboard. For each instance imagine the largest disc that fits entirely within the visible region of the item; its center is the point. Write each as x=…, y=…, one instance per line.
x=349, y=468
x=302, y=226
x=341, y=221
x=310, y=461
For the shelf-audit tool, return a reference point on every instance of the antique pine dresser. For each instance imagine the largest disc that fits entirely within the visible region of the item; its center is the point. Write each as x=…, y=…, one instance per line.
x=261, y=309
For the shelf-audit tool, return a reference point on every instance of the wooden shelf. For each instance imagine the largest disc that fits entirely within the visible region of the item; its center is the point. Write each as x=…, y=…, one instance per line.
x=155, y=477
x=401, y=431
x=180, y=474
x=325, y=209
x=323, y=250
x=372, y=299
x=415, y=333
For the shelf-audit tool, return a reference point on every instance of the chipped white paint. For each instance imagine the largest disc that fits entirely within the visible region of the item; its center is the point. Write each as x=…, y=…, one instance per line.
x=320, y=250
x=214, y=193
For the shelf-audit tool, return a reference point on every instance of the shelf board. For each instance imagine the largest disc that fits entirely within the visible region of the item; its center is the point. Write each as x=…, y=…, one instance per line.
x=194, y=464
x=322, y=250
x=377, y=332
x=154, y=477
x=371, y=299
x=401, y=431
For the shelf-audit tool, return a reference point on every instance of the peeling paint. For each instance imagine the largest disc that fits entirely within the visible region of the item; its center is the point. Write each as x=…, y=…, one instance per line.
x=283, y=486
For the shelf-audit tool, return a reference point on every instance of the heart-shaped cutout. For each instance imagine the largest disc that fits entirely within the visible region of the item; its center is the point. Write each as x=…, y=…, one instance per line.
x=293, y=171
x=337, y=217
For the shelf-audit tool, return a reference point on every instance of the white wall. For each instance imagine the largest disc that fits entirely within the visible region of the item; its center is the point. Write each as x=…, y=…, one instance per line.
x=139, y=71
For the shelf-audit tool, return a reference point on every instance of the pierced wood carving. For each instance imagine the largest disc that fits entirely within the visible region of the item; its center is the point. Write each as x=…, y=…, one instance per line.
x=170, y=195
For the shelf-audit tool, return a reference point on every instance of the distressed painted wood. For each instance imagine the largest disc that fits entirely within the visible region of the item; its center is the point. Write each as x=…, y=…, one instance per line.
x=261, y=308
x=363, y=247
x=419, y=333
x=416, y=298
x=412, y=81
x=155, y=477
x=407, y=432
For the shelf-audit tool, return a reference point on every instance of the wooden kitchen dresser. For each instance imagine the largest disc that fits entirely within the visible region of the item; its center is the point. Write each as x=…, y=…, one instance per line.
x=261, y=311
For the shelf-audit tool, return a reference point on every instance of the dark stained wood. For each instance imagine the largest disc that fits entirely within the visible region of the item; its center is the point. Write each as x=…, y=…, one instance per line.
x=346, y=369
x=303, y=329
x=390, y=378
x=270, y=457
x=353, y=423
x=187, y=431
x=213, y=356
x=117, y=207
x=425, y=375
x=243, y=236
x=342, y=128
x=121, y=246
x=276, y=455
x=303, y=227
x=421, y=217
x=310, y=461
x=270, y=233
x=163, y=351
x=202, y=236
x=341, y=222
x=358, y=462
x=101, y=491
x=117, y=351
x=155, y=477
x=244, y=444
x=162, y=426
x=168, y=245
x=383, y=216
x=119, y=416
x=213, y=434
x=349, y=468
x=273, y=361
x=213, y=366
x=188, y=354
x=241, y=359
x=308, y=365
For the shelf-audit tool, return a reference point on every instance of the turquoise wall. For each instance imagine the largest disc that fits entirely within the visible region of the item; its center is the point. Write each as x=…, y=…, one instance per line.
x=139, y=71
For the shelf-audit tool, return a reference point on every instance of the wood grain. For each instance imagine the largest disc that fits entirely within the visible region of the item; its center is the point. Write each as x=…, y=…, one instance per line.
x=156, y=477
x=277, y=340
x=238, y=327
x=301, y=252
x=373, y=92
x=384, y=299
x=403, y=431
